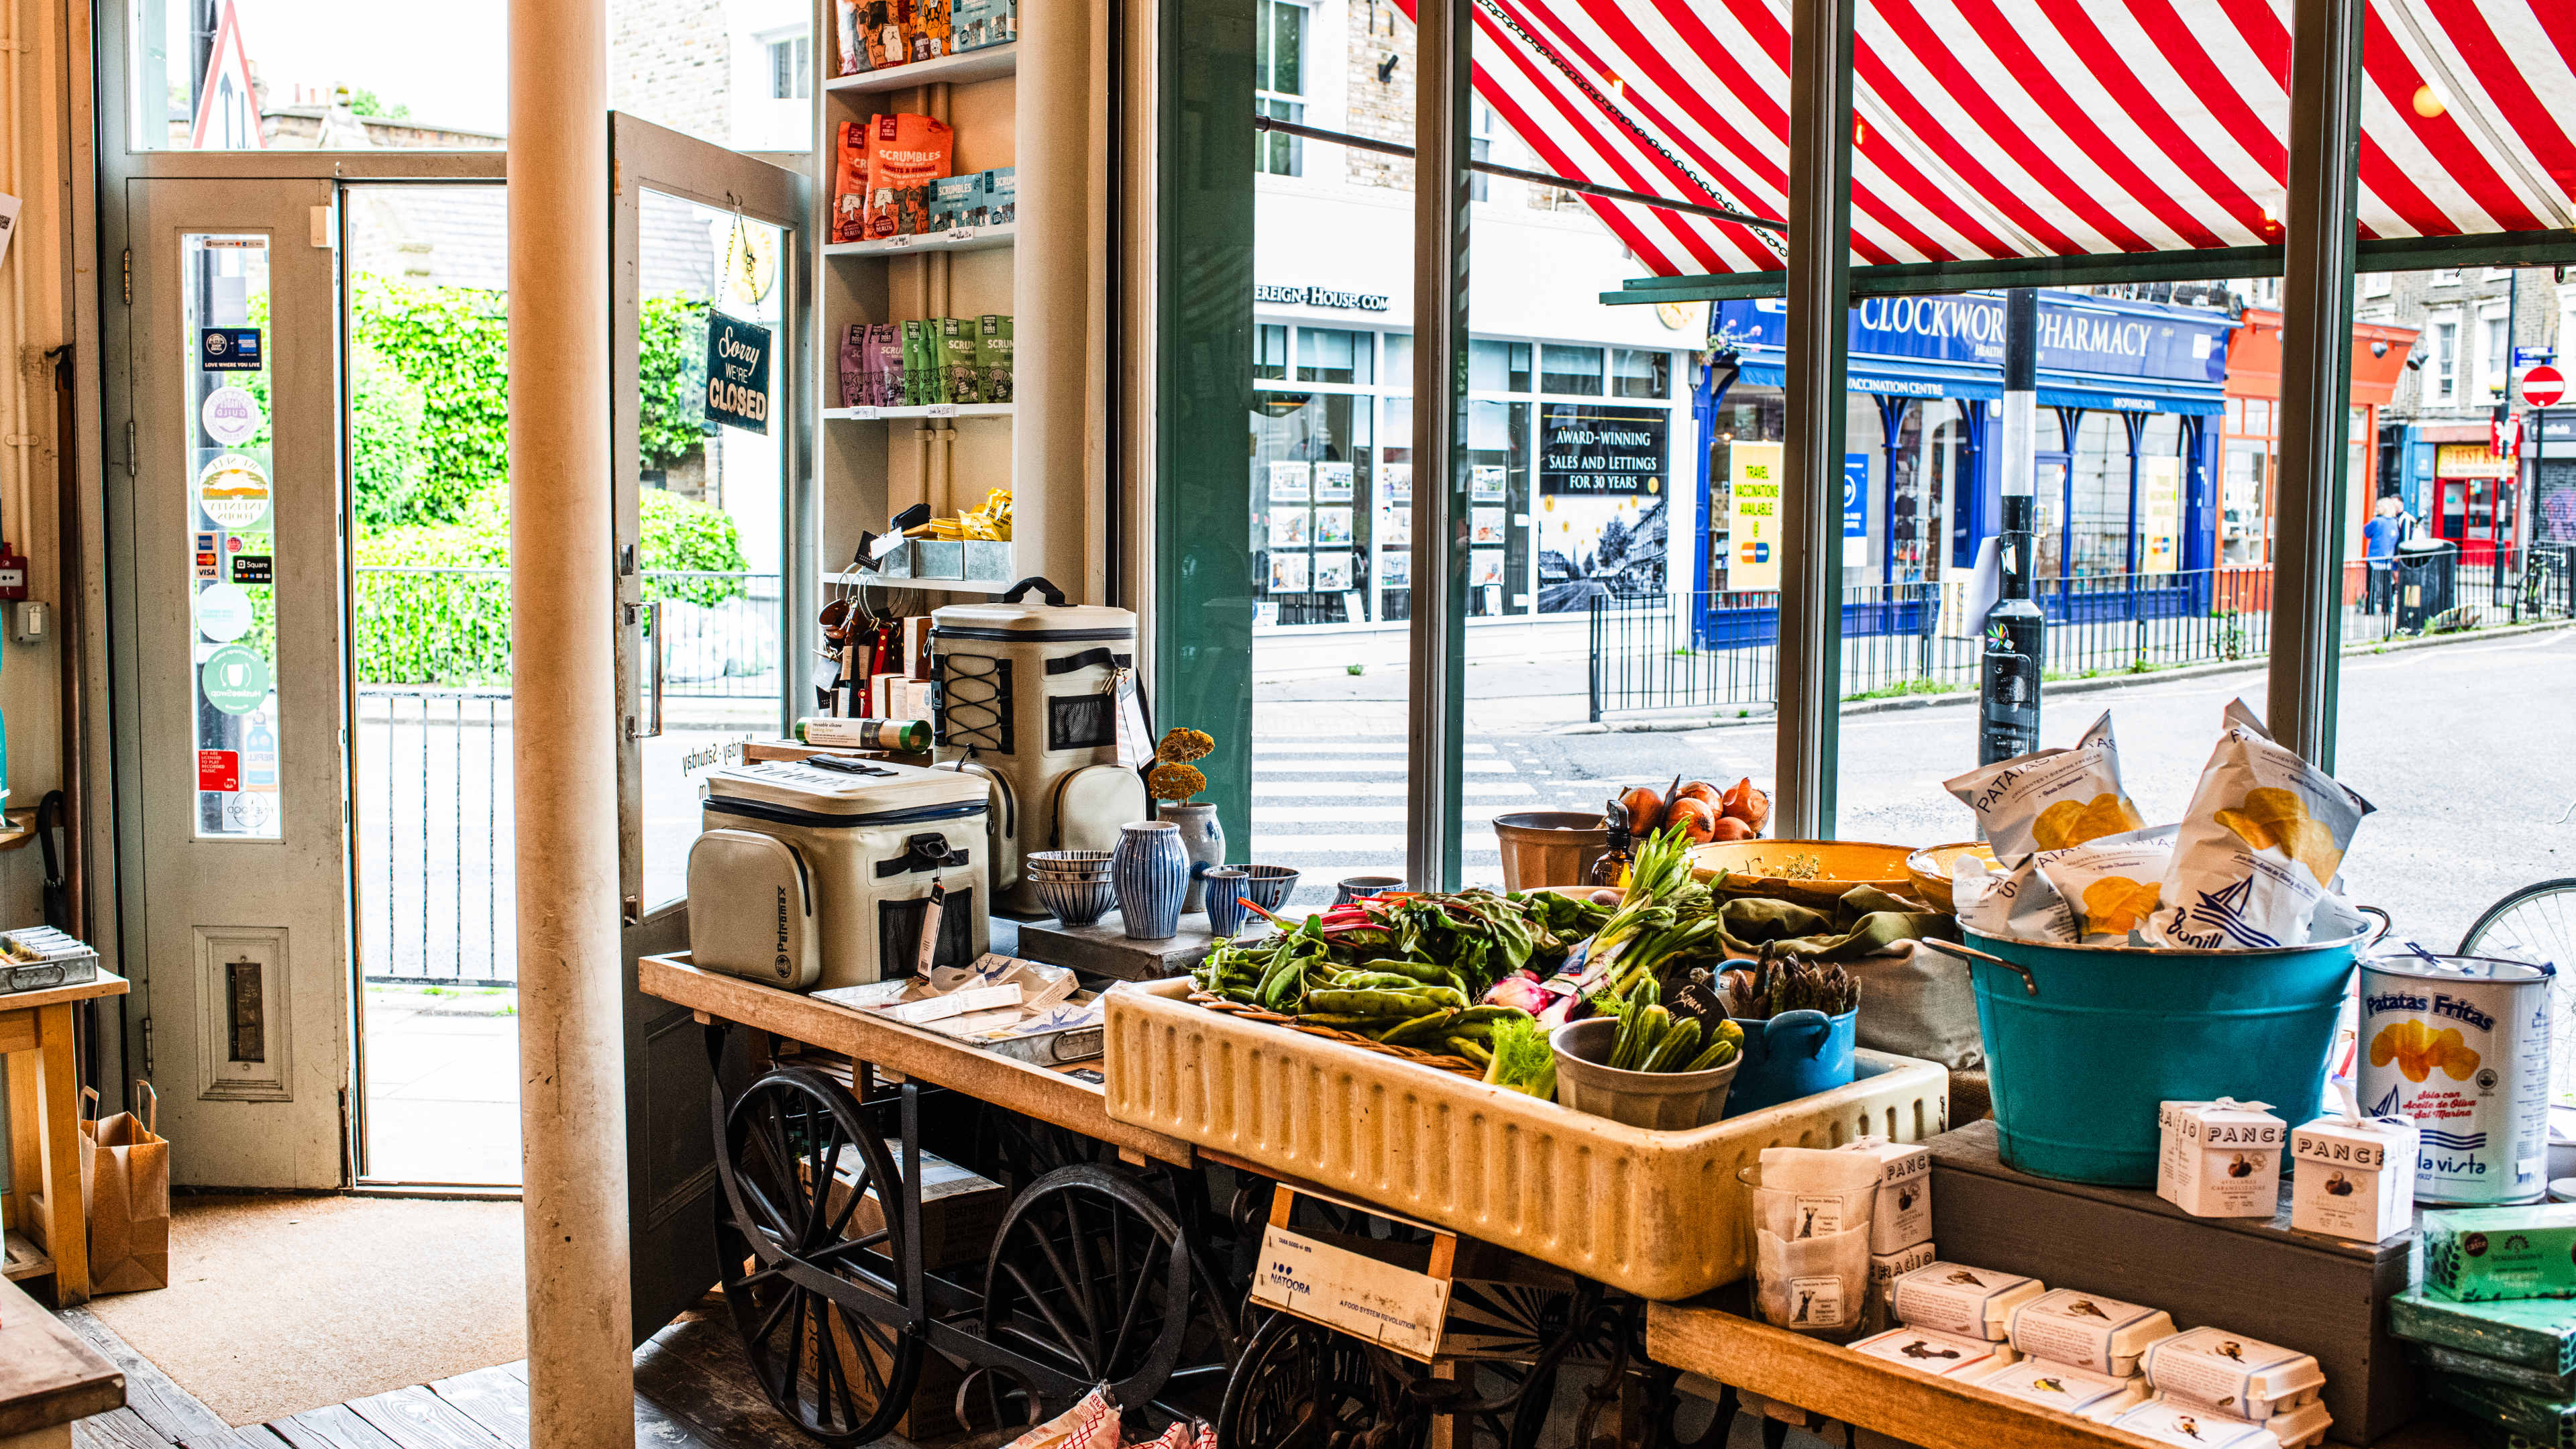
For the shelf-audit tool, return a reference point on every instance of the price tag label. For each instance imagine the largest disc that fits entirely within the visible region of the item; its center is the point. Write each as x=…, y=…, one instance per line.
x=1395, y=1308
x=899, y=241
x=962, y=234
x=865, y=415
x=941, y=410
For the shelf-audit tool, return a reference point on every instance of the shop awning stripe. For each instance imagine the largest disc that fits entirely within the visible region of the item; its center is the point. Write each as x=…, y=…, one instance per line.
x=1991, y=129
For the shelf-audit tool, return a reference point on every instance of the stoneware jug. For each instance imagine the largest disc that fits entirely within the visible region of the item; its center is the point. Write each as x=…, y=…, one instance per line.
x=1151, y=872
x=1202, y=840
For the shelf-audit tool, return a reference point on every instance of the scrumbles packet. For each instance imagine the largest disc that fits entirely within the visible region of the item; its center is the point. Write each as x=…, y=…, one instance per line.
x=905, y=154
x=2110, y=885
x=2050, y=799
x=2259, y=849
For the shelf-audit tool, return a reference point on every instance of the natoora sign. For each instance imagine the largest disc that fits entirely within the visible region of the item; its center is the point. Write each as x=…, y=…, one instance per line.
x=737, y=373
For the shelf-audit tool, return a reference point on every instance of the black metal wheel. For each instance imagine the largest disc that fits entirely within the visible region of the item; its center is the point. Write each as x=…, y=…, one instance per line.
x=1302, y=1386
x=813, y=1270
x=1092, y=1276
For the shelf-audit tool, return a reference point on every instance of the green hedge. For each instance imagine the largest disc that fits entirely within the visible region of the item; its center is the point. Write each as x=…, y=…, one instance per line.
x=454, y=628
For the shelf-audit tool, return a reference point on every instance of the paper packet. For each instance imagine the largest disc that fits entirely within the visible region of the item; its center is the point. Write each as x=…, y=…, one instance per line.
x=2017, y=902
x=905, y=154
x=2260, y=846
x=2050, y=799
x=2110, y=886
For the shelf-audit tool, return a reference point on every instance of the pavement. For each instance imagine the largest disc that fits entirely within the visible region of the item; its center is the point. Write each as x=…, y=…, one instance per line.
x=441, y=1078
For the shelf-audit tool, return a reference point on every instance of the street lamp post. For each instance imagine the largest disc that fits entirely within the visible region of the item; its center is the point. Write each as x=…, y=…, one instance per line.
x=2016, y=631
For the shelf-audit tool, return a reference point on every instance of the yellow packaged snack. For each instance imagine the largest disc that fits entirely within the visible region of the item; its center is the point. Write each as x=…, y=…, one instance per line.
x=2259, y=848
x=2050, y=799
x=2112, y=884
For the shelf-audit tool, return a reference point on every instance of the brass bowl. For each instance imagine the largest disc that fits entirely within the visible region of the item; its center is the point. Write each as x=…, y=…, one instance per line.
x=1929, y=869
x=1810, y=872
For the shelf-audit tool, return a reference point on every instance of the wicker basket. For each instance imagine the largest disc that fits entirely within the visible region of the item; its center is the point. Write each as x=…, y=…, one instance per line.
x=1442, y=1060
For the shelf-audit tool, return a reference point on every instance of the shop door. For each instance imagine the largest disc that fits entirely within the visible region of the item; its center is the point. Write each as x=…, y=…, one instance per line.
x=701, y=240
x=228, y=609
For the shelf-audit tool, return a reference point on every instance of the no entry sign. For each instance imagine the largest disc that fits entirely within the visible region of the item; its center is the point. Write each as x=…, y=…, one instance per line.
x=2543, y=386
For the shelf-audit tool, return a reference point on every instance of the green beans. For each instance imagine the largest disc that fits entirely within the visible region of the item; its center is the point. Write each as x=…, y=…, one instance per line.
x=1407, y=1004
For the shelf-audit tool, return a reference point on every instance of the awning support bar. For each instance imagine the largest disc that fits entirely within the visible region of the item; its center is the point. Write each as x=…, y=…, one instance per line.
x=1535, y=178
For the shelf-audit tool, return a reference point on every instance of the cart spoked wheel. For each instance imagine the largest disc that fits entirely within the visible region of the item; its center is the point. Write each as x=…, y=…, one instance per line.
x=816, y=1288
x=1091, y=1275
x=1302, y=1386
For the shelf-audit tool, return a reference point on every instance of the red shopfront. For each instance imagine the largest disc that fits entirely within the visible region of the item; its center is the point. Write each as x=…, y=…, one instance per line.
x=2474, y=496
x=2250, y=456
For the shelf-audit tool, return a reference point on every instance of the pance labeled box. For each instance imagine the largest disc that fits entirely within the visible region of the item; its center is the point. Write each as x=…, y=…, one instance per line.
x=2220, y=1159
x=2354, y=1177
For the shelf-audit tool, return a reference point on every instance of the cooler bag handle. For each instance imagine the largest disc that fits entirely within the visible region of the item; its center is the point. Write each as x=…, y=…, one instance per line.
x=1089, y=657
x=926, y=851
x=1054, y=595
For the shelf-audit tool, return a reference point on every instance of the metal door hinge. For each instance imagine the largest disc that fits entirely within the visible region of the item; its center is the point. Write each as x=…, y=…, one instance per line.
x=147, y=1049
x=129, y=276
x=133, y=462
x=634, y=910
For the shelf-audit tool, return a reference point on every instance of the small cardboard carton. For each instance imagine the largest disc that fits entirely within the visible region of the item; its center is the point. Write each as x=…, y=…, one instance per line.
x=1955, y=1298
x=1886, y=1268
x=2220, y=1159
x=2354, y=1177
x=2063, y=1387
x=2480, y=1255
x=1931, y=1351
x=1903, y=1215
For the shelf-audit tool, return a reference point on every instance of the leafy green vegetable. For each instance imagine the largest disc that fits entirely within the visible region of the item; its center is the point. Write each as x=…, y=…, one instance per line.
x=1523, y=1060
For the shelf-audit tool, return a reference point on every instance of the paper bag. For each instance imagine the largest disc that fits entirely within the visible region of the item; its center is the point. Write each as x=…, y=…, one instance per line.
x=125, y=1180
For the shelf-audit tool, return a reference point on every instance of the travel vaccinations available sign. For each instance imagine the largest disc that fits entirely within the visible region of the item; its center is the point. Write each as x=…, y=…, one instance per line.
x=1753, y=516
x=737, y=373
x=1855, y=510
x=2159, y=514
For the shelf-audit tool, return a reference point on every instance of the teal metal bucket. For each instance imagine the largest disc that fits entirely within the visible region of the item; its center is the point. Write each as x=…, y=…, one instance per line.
x=2082, y=1042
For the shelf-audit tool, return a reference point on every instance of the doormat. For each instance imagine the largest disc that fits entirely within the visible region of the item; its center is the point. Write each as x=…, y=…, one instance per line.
x=277, y=1305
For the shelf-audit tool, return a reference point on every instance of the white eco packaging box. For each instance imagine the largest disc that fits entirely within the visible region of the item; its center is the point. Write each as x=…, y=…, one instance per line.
x=1903, y=1216
x=2354, y=1177
x=2220, y=1159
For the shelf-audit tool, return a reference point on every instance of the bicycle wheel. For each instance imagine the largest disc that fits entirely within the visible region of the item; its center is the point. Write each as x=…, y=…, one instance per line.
x=2538, y=922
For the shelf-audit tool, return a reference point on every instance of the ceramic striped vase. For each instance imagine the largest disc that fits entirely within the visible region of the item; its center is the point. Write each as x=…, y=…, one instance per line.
x=1151, y=871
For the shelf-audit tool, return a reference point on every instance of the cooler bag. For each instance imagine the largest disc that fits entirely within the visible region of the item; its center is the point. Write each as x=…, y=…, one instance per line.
x=1029, y=695
x=818, y=872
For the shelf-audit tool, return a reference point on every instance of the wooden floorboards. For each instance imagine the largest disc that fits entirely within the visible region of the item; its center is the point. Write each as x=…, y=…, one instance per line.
x=693, y=1390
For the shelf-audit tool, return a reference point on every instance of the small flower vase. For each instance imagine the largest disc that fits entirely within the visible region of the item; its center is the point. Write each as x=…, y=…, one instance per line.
x=1150, y=871
x=1203, y=840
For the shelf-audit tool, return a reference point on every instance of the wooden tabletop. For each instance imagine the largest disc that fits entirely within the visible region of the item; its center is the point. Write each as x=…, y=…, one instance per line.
x=107, y=984
x=1911, y=1407
x=1047, y=1094
x=47, y=1375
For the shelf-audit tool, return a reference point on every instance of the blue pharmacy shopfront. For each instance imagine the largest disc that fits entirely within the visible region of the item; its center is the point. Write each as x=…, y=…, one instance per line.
x=2130, y=398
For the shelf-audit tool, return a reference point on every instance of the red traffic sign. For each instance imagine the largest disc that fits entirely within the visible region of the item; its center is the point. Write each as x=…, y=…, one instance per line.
x=2543, y=386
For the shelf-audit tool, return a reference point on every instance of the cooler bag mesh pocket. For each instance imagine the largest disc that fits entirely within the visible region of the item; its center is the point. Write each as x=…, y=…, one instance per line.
x=899, y=933
x=1081, y=721
x=975, y=702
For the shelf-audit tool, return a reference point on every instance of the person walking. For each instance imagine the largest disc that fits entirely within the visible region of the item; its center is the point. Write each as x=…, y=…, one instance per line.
x=2379, y=538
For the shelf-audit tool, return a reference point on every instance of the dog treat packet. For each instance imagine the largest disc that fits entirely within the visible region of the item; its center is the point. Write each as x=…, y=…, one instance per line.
x=952, y=201
x=885, y=29
x=993, y=354
x=2110, y=885
x=1815, y=1192
x=2017, y=902
x=850, y=183
x=931, y=31
x=854, y=365
x=2050, y=799
x=850, y=55
x=885, y=364
x=957, y=350
x=2260, y=847
x=905, y=154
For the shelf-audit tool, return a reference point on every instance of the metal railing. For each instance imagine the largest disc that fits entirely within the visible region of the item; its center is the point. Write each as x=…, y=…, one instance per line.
x=433, y=758
x=1717, y=649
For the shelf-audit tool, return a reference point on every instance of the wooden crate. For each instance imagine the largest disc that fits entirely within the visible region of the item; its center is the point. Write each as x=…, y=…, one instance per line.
x=2316, y=1294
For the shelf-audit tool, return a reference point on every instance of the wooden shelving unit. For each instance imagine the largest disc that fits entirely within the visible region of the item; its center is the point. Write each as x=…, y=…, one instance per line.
x=21, y=1258
x=954, y=454
x=974, y=65
x=962, y=239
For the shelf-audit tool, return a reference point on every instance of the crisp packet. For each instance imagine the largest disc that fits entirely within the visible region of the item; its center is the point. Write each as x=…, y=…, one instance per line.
x=2109, y=885
x=2260, y=846
x=2050, y=799
x=2018, y=903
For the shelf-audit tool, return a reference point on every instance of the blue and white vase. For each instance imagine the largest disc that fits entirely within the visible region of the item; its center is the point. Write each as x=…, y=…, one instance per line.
x=1151, y=871
x=1203, y=840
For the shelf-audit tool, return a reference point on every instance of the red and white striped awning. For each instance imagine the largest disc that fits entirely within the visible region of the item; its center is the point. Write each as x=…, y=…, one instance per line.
x=2019, y=128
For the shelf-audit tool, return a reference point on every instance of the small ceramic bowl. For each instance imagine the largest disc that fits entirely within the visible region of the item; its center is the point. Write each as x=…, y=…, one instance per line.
x=1065, y=862
x=1077, y=903
x=1268, y=886
x=1361, y=887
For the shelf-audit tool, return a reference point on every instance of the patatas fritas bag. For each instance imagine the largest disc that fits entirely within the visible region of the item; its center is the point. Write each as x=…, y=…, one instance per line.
x=125, y=1180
